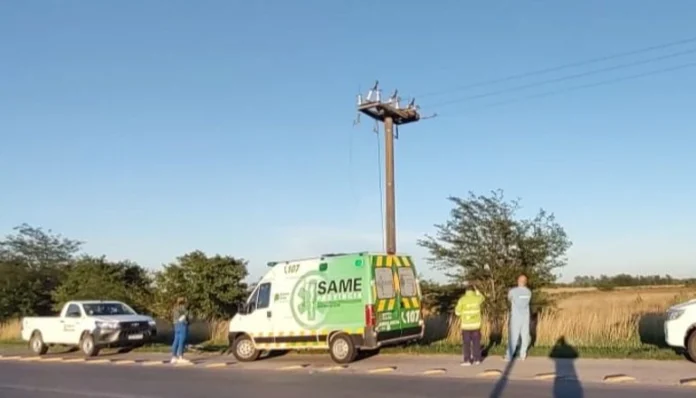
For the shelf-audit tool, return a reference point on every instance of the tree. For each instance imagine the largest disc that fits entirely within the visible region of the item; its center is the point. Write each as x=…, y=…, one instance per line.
x=95, y=278
x=213, y=285
x=34, y=261
x=17, y=294
x=605, y=282
x=485, y=243
x=39, y=249
x=439, y=298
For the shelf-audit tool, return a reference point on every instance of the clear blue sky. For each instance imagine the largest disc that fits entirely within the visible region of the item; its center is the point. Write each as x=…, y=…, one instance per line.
x=149, y=129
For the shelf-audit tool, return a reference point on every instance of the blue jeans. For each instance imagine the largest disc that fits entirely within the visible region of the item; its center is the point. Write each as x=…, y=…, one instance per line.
x=180, y=336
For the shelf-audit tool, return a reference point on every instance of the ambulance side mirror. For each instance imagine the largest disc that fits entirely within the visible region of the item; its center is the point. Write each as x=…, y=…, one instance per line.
x=242, y=309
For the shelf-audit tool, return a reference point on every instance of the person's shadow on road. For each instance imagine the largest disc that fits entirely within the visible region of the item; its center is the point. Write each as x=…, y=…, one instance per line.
x=566, y=383
x=502, y=382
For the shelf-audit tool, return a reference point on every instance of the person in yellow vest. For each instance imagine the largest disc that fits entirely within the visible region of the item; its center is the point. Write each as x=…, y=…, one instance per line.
x=468, y=310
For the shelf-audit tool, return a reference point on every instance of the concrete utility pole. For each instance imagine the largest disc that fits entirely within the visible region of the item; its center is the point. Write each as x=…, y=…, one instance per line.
x=390, y=113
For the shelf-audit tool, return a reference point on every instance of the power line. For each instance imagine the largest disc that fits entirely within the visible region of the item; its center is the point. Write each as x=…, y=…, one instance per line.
x=565, y=78
x=561, y=67
x=582, y=87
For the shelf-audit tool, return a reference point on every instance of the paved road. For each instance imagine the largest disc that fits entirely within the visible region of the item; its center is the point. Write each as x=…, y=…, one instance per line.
x=666, y=373
x=47, y=380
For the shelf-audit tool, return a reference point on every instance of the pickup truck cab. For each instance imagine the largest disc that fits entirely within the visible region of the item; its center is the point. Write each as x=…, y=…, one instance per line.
x=91, y=326
x=680, y=328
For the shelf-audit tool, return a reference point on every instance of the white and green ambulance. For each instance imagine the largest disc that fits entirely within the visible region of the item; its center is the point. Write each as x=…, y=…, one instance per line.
x=341, y=302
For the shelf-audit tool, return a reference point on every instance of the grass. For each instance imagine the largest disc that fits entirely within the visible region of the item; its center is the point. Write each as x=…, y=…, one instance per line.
x=654, y=353
x=10, y=331
x=622, y=323
x=552, y=352
x=622, y=318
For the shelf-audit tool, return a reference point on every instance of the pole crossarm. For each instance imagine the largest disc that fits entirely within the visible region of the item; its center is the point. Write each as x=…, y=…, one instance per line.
x=380, y=111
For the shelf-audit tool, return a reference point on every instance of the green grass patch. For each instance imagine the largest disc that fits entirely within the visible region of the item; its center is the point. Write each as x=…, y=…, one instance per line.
x=641, y=352
x=12, y=343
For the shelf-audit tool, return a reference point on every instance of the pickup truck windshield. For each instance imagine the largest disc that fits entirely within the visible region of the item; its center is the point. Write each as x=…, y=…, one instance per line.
x=107, y=309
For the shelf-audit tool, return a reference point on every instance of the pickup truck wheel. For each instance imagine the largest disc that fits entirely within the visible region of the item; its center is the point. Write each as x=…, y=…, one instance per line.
x=342, y=349
x=691, y=346
x=37, y=344
x=88, y=347
x=244, y=349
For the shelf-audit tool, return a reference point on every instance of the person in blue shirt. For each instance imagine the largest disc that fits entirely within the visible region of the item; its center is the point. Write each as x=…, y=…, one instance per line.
x=520, y=297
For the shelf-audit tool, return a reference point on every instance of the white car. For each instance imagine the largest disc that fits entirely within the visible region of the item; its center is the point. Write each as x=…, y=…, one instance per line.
x=680, y=327
x=91, y=326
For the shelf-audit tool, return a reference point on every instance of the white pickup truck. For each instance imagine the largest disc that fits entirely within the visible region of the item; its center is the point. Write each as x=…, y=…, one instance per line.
x=680, y=328
x=91, y=326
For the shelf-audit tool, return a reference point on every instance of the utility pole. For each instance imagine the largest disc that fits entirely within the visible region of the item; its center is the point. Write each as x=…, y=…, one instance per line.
x=390, y=113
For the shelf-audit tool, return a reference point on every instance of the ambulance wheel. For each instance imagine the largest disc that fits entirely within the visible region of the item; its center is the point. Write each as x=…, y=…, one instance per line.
x=244, y=349
x=342, y=349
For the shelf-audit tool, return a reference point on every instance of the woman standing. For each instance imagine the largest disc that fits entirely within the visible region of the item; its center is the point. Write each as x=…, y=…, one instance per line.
x=181, y=320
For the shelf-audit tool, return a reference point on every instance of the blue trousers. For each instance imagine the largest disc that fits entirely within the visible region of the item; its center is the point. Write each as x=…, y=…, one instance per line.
x=519, y=330
x=180, y=336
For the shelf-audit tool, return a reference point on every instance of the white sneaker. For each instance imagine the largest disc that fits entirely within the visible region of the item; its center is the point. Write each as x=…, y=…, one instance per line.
x=466, y=364
x=183, y=361
x=174, y=360
x=476, y=363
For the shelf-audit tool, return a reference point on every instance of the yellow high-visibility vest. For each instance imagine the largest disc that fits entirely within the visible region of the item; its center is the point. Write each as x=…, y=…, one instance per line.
x=468, y=310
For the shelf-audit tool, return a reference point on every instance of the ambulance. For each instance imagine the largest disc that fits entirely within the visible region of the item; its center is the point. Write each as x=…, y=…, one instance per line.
x=345, y=303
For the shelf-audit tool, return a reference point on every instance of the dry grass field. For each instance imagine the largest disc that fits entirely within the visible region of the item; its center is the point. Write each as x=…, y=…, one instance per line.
x=585, y=317
x=10, y=330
